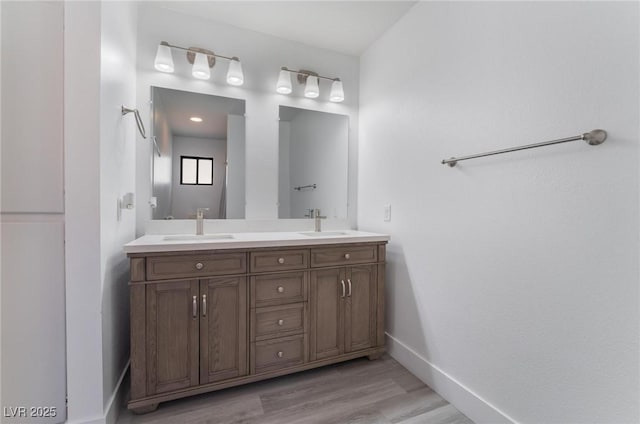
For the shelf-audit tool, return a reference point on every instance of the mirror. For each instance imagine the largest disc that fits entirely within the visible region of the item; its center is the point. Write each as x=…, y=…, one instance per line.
x=198, y=155
x=313, y=170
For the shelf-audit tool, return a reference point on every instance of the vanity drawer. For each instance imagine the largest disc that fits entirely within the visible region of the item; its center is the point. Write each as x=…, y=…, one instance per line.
x=279, y=260
x=277, y=321
x=277, y=289
x=344, y=255
x=179, y=266
x=270, y=355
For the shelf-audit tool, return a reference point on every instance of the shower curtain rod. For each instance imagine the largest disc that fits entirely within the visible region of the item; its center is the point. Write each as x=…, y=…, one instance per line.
x=593, y=138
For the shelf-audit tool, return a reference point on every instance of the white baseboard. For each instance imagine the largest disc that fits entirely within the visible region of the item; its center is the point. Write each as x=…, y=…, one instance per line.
x=112, y=409
x=114, y=405
x=466, y=401
x=98, y=420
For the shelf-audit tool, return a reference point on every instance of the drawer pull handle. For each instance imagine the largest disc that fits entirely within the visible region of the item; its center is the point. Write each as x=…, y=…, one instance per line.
x=199, y=265
x=349, y=281
x=343, y=289
x=280, y=289
x=195, y=307
x=280, y=322
x=347, y=256
x=280, y=354
x=280, y=260
x=204, y=305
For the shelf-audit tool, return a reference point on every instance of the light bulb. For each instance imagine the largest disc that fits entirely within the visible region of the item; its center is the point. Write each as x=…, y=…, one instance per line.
x=337, y=93
x=164, y=60
x=201, y=67
x=311, y=90
x=284, y=82
x=234, y=74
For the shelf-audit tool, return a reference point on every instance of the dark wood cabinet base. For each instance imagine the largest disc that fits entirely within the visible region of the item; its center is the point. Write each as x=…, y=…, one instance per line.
x=139, y=406
x=145, y=409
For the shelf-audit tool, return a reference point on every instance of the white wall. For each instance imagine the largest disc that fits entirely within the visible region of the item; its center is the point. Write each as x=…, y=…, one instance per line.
x=318, y=155
x=83, y=289
x=32, y=219
x=513, y=279
x=261, y=56
x=118, y=136
x=188, y=198
x=99, y=169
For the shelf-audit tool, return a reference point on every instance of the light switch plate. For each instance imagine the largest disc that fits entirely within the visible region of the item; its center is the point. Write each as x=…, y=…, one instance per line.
x=387, y=213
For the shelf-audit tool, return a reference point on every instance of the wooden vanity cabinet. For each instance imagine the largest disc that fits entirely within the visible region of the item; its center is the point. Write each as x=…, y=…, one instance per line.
x=196, y=333
x=172, y=336
x=344, y=304
x=223, y=328
x=207, y=320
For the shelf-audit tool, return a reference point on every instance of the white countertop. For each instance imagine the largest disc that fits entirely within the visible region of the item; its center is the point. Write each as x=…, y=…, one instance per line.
x=168, y=243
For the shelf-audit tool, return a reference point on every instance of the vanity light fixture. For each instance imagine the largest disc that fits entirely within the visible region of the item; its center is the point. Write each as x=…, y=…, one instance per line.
x=337, y=92
x=311, y=80
x=284, y=82
x=201, y=59
x=234, y=74
x=164, y=60
x=311, y=90
x=201, y=67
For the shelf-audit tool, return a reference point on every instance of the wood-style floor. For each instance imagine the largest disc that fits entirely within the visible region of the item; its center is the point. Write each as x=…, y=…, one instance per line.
x=358, y=391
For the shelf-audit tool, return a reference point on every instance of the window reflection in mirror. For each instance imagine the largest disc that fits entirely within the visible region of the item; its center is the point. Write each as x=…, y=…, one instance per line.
x=313, y=161
x=201, y=142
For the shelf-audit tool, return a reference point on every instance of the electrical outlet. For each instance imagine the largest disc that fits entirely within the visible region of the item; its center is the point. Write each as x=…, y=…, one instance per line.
x=387, y=213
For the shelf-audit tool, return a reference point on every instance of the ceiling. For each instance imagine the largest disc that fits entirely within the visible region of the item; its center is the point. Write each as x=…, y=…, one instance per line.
x=179, y=106
x=347, y=27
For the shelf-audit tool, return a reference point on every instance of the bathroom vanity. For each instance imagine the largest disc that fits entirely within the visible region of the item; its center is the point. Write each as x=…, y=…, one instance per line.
x=216, y=311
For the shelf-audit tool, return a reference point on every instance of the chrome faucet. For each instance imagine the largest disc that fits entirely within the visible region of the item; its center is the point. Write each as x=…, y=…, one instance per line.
x=317, y=217
x=200, y=221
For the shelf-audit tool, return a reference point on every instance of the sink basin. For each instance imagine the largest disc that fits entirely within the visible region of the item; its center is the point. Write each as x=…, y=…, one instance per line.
x=193, y=237
x=324, y=233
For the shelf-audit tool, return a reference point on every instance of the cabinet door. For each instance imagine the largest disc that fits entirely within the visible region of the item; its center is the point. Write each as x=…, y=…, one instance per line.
x=172, y=336
x=223, y=329
x=327, y=313
x=360, y=308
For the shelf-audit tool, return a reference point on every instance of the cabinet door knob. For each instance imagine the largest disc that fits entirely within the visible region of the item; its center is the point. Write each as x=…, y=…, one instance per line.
x=343, y=288
x=280, y=289
x=280, y=354
x=280, y=260
x=347, y=256
x=280, y=322
x=199, y=265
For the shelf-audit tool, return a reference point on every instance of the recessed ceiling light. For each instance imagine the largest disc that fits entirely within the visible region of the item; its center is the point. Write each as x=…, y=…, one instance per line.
x=196, y=119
